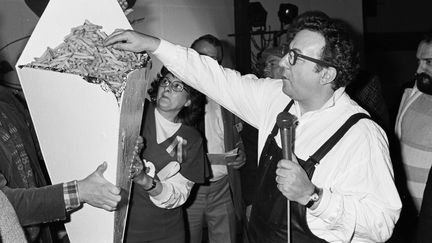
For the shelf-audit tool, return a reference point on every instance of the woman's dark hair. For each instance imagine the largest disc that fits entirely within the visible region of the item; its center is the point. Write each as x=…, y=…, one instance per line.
x=188, y=115
x=339, y=51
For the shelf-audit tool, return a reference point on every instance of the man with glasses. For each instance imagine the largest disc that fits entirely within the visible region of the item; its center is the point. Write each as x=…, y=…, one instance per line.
x=348, y=193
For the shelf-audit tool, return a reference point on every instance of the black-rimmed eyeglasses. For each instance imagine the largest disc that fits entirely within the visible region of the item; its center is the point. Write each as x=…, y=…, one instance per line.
x=176, y=86
x=293, y=56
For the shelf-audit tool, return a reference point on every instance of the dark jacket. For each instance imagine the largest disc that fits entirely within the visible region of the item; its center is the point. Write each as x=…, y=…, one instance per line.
x=232, y=140
x=23, y=168
x=36, y=205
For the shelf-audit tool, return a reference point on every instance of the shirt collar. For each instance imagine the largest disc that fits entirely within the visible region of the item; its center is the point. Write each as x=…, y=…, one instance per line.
x=164, y=128
x=329, y=103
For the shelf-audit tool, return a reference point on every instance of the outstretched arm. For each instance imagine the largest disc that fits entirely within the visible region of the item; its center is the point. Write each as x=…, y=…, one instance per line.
x=37, y=205
x=245, y=96
x=50, y=203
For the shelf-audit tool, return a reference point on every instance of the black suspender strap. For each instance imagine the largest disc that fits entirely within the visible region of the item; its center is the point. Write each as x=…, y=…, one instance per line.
x=331, y=142
x=275, y=128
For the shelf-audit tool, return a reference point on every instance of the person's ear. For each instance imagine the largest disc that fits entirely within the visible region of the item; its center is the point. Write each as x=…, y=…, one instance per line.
x=188, y=103
x=328, y=75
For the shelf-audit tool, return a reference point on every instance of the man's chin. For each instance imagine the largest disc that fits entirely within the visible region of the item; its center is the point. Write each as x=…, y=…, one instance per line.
x=286, y=88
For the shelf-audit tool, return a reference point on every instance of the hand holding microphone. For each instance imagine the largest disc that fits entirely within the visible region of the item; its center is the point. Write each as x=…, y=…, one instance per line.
x=291, y=178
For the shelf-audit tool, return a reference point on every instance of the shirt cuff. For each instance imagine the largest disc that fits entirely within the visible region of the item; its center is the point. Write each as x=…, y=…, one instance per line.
x=165, y=193
x=323, y=204
x=169, y=53
x=329, y=208
x=71, y=195
x=161, y=46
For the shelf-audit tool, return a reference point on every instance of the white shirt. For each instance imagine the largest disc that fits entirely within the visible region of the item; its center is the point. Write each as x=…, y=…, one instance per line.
x=176, y=189
x=360, y=202
x=214, y=133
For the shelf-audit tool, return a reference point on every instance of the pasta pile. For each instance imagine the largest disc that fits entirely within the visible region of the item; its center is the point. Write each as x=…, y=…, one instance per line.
x=83, y=53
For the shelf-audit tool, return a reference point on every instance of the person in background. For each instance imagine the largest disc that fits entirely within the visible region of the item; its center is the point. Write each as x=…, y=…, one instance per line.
x=348, y=193
x=24, y=183
x=413, y=128
x=173, y=157
x=218, y=203
x=271, y=69
x=271, y=57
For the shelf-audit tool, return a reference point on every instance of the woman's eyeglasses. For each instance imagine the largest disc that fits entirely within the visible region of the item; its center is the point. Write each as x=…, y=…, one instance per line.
x=176, y=86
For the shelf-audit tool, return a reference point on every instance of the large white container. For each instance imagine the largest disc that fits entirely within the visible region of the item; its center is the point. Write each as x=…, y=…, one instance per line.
x=78, y=124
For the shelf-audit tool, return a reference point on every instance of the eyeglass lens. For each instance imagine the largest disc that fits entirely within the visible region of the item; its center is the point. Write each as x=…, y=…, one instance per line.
x=176, y=86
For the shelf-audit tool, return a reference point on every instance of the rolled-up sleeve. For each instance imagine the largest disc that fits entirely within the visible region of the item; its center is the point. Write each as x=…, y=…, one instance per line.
x=175, y=192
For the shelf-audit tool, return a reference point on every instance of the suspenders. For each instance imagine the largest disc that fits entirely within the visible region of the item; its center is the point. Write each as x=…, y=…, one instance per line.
x=333, y=140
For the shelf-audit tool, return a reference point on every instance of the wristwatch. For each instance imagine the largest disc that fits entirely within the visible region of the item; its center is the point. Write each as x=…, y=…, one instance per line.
x=314, y=197
x=153, y=185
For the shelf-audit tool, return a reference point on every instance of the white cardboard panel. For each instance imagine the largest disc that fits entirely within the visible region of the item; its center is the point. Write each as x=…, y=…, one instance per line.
x=77, y=123
x=77, y=126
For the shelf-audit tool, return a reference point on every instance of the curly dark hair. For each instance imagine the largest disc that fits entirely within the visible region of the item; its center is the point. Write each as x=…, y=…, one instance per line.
x=339, y=51
x=306, y=16
x=188, y=115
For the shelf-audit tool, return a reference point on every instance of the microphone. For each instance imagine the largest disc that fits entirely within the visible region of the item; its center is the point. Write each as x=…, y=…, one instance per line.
x=286, y=123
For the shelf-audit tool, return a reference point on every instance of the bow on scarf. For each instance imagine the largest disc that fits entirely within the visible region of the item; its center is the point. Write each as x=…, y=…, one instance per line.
x=177, y=145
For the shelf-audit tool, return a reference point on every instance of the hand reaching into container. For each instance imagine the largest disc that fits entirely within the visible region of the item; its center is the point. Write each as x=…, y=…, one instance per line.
x=129, y=40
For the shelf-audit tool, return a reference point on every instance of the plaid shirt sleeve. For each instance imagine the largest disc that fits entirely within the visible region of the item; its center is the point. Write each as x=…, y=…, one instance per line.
x=71, y=195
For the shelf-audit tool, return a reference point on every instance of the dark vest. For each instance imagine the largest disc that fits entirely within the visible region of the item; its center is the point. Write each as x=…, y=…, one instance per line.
x=268, y=220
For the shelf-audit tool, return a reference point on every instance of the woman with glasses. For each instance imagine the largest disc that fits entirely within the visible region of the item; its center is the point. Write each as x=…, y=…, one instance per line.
x=173, y=160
